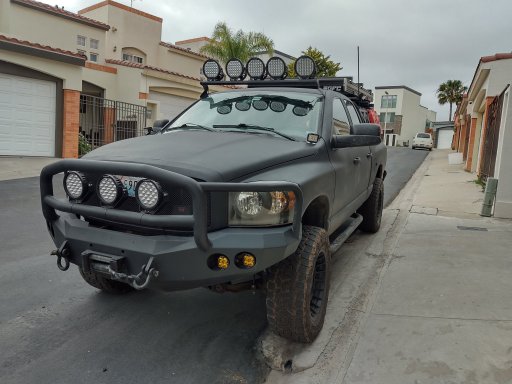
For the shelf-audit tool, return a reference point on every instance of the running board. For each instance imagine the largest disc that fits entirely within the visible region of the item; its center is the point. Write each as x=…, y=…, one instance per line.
x=344, y=232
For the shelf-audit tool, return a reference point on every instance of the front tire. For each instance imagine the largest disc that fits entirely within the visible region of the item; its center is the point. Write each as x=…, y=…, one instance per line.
x=371, y=210
x=298, y=288
x=106, y=285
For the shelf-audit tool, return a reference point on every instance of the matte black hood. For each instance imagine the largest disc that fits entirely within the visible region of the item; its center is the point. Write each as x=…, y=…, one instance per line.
x=209, y=156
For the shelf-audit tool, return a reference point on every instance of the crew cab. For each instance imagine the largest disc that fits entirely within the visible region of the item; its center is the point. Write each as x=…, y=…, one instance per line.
x=251, y=187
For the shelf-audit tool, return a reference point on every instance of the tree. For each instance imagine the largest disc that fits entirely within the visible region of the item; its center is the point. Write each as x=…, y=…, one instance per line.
x=226, y=44
x=451, y=92
x=324, y=66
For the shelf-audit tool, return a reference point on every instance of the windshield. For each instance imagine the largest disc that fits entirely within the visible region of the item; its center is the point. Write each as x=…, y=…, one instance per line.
x=290, y=115
x=423, y=136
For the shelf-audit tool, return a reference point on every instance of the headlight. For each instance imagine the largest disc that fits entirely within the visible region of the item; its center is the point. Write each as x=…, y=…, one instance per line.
x=148, y=194
x=75, y=185
x=261, y=208
x=110, y=189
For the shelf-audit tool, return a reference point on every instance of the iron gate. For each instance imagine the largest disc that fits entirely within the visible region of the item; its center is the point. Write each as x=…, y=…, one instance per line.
x=103, y=121
x=491, y=138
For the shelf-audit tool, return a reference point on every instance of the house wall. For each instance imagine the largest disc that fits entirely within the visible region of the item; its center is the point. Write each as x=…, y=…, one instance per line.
x=128, y=29
x=413, y=115
x=503, y=207
x=58, y=32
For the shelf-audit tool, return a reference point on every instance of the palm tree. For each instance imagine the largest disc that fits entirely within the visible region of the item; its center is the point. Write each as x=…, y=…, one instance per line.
x=225, y=44
x=451, y=92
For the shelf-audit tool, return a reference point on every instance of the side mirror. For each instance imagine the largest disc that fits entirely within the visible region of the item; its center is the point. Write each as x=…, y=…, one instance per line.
x=158, y=125
x=349, y=141
x=366, y=129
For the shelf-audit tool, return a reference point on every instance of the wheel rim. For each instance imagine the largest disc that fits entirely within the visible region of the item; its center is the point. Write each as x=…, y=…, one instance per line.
x=318, y=287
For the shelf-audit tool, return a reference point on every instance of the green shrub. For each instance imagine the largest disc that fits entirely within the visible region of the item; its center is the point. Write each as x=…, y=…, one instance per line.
x=83, y=145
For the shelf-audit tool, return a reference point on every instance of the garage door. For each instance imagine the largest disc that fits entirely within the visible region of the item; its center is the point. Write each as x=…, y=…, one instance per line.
x=444, y=138
x=170, y=105
x=27, y=116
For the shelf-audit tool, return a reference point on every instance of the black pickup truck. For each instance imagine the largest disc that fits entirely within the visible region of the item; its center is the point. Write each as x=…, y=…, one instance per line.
x=252, y=187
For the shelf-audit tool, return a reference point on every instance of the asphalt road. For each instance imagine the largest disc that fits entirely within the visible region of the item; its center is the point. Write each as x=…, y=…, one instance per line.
x=54, y=328
x=401, y=164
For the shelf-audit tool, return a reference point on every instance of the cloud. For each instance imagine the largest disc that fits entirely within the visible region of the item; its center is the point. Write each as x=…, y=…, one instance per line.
x=416, y=43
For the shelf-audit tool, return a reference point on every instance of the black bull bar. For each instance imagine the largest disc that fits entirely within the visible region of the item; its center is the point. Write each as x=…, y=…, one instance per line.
x=198, y=221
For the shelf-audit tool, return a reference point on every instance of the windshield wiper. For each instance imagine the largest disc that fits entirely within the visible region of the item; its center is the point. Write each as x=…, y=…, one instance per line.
x=192, y=126
x=255, y=127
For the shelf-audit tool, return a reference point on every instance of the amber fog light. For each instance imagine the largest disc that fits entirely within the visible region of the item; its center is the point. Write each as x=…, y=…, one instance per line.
x=245, y=260
x=218, y=262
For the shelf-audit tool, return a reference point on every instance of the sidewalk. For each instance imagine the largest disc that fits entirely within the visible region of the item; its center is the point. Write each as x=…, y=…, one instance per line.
x=441, y=311
x=15, y=167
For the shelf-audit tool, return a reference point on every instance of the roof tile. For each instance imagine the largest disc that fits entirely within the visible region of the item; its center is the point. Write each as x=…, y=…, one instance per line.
x=41, y=47
x=61, y=12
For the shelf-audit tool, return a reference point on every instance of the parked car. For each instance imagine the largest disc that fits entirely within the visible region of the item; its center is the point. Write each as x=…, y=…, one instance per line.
x=423, y=140
x=244, y=189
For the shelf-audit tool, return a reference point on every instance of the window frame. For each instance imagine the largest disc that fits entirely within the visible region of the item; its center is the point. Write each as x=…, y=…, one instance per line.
x=388, y=101
x=347, y=104
x=95, y=55
x=334, y=131
x=80, y=38
x=97, y=43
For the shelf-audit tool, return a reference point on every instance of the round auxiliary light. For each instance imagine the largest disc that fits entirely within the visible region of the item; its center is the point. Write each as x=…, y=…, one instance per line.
x=256, y=68
x=235, y=69
x=277, y=106
x=110, y=189
x=243, y=105
x=212, y=70
x=249, y=203
x=148, y=194
x=75, y=185
x=276, y=68
x=305, y=67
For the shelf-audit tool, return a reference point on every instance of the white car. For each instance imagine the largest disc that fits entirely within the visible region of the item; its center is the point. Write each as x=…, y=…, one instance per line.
x=422, y=140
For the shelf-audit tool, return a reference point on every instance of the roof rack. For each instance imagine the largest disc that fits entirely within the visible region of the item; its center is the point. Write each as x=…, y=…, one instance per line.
x=344, y=85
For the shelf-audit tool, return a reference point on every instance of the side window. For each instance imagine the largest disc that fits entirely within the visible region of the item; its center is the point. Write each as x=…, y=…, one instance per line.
x=353, y=113
x=340, y=122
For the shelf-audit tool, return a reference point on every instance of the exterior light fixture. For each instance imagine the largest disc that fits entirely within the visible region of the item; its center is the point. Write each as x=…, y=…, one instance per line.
x=212, y=70
x=305, y=67
x=276, y=68
x=235, y=69
x=256, y=68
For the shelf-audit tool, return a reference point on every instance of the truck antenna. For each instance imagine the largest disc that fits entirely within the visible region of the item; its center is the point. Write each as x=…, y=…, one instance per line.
x=358, y=82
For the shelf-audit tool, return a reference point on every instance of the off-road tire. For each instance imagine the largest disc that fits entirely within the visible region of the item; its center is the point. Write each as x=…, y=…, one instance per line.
x=371, y=210
x=298, y=288
x=105, y=284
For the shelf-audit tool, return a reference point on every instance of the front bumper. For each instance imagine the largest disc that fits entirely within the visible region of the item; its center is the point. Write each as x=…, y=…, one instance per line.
x=182, y=261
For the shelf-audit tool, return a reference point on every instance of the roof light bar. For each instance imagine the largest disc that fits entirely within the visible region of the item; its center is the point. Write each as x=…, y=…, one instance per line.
x=276, y=68
x=235, y=69
x=256, y=68
x=305, y=67
x=212, y=70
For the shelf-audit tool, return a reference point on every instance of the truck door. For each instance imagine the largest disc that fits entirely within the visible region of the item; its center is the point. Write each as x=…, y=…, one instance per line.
x=345, y=165
x=364, y=166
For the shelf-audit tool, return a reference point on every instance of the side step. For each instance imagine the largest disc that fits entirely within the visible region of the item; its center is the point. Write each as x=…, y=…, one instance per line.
x=344, y=232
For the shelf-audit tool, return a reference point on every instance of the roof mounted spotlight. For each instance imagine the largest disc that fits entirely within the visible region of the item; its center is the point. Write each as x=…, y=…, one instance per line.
x=305, y=67
x=235, y=70
x=212, y=70
x=256, y=68
x=276, y=68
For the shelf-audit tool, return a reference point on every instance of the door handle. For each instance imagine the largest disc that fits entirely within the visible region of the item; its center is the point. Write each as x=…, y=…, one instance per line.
x=357, y=160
